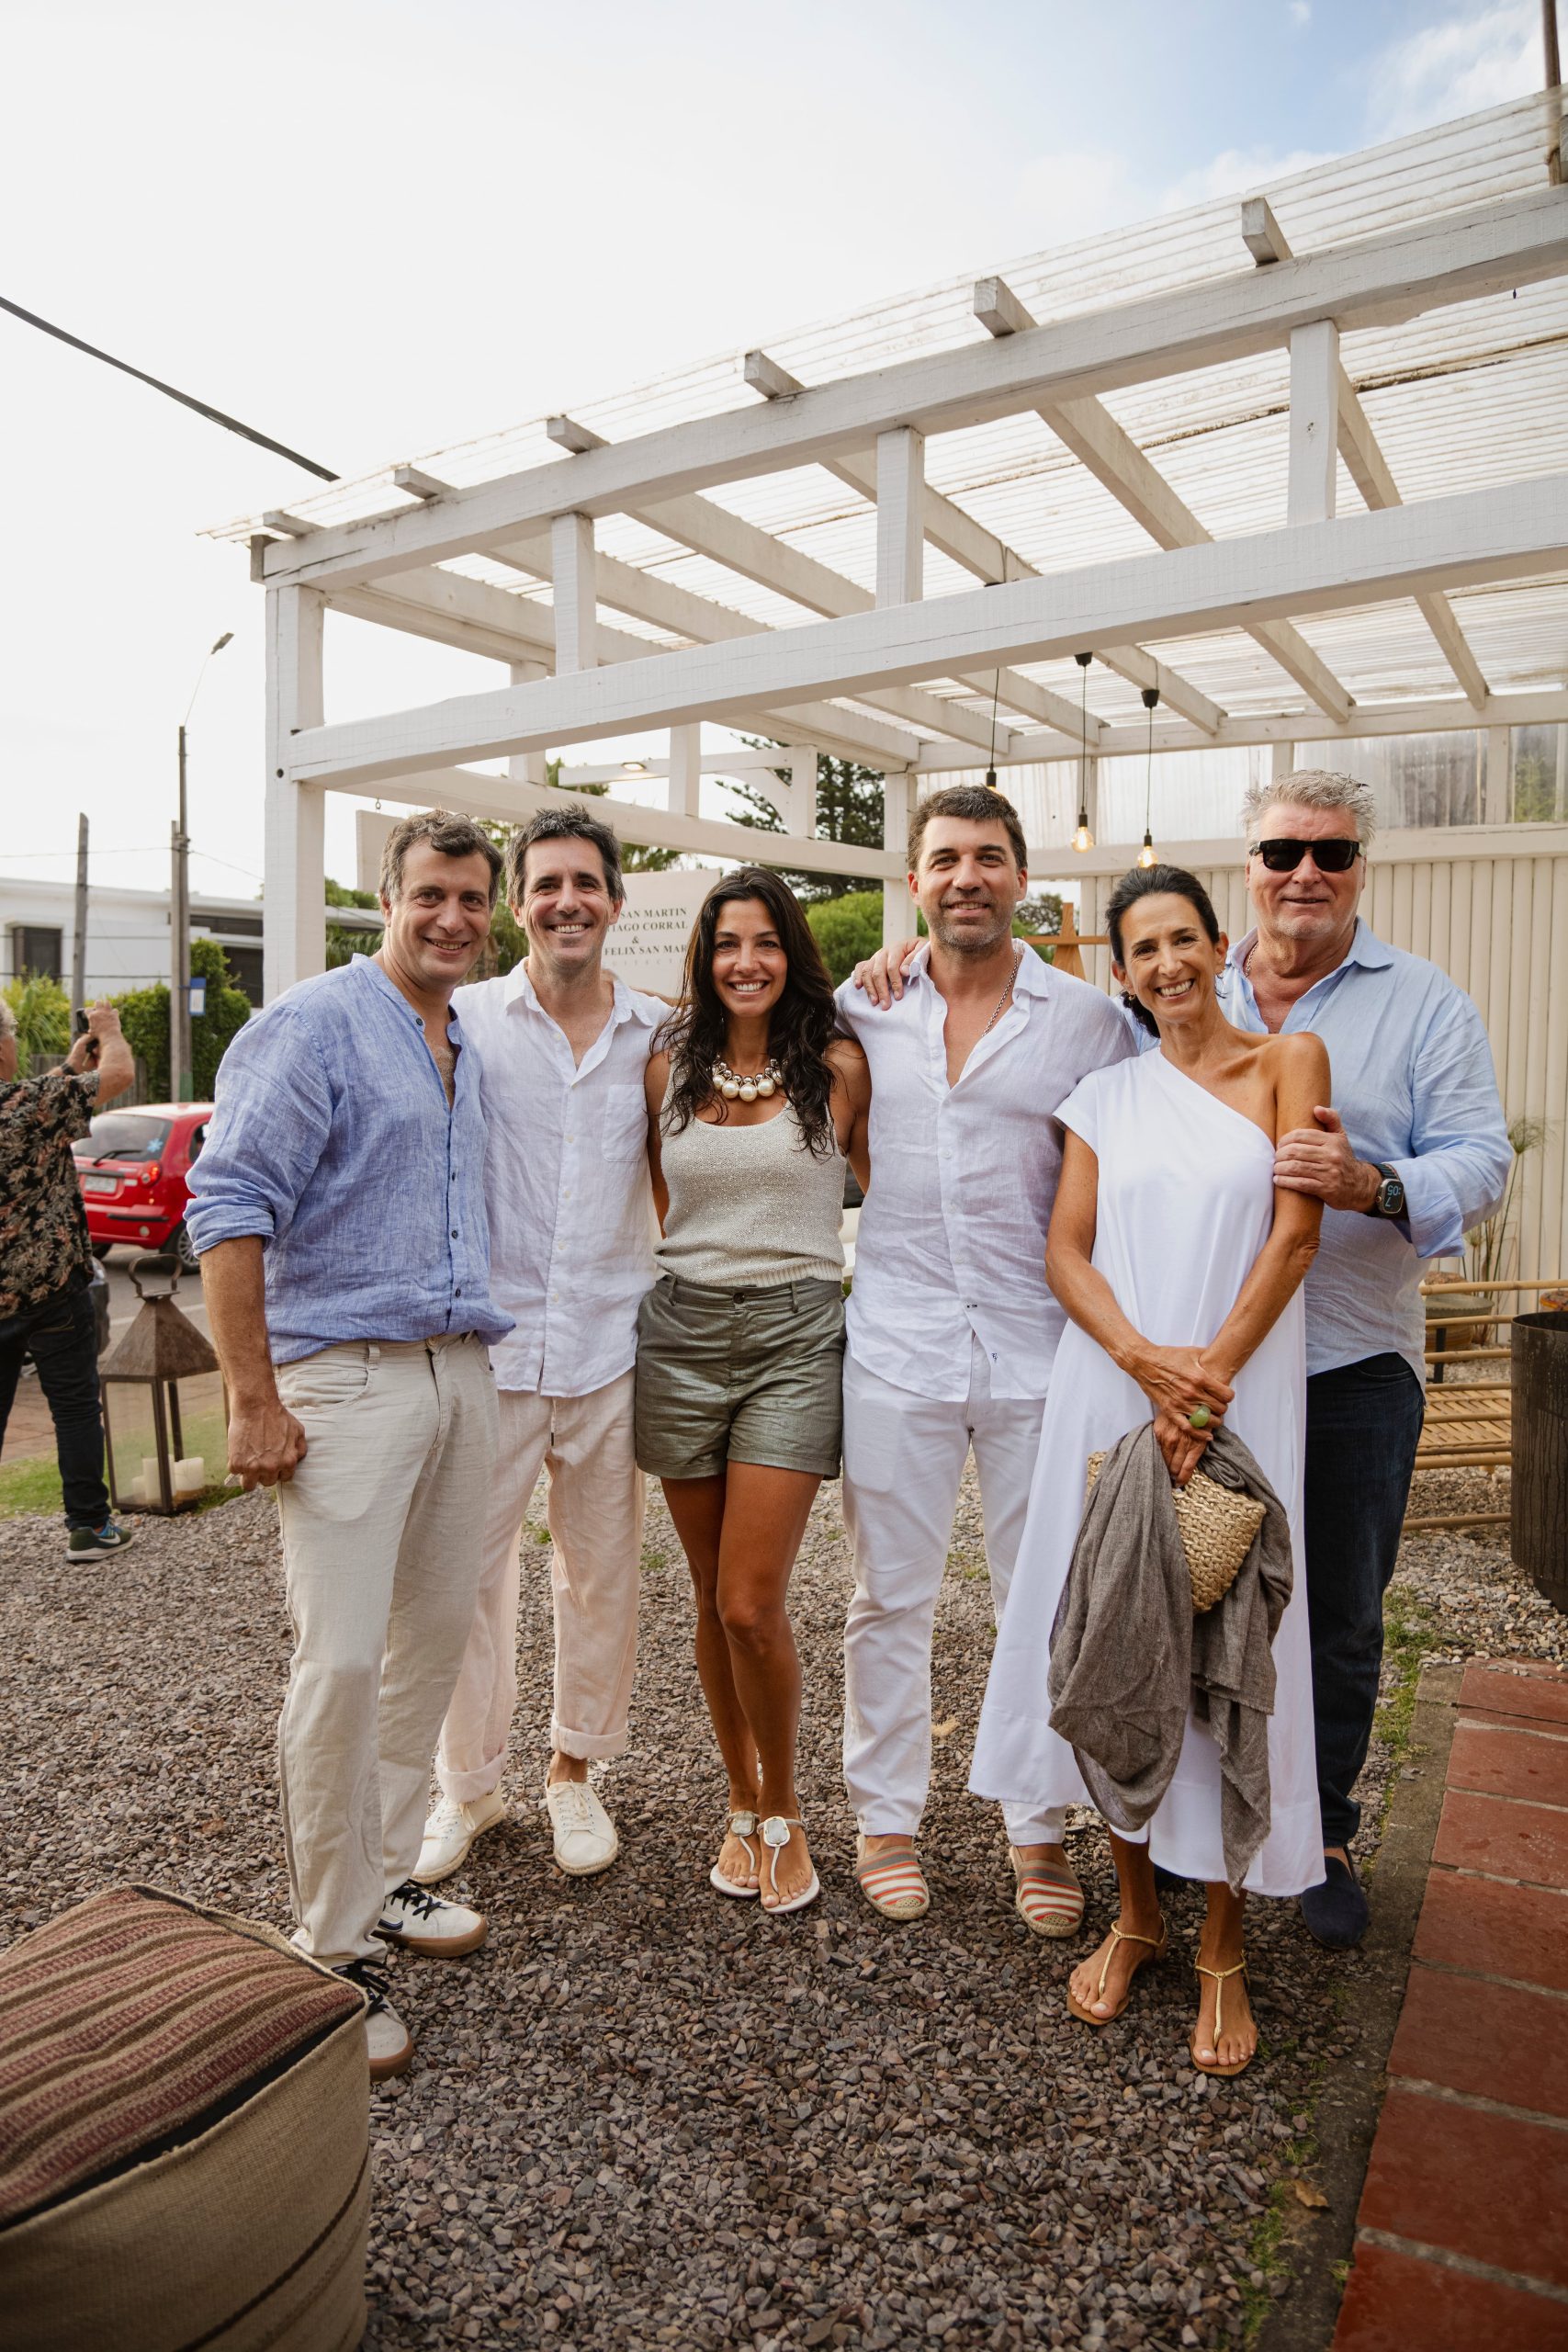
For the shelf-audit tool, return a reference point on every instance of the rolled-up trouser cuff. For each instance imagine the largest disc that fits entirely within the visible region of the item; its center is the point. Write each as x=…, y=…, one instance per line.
x=467, y=1788
x=593, y=1745
x=1045, y=1825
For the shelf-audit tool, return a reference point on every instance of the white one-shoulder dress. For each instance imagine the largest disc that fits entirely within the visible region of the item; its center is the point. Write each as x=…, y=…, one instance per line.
x=1186, y=1202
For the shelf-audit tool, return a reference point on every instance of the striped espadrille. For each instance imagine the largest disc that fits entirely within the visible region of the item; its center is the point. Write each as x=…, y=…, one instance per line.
x=894, y=1883
x=1048, y=1897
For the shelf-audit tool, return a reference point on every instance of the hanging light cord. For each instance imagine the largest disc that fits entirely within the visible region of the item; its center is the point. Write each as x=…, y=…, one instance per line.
x=991, y=769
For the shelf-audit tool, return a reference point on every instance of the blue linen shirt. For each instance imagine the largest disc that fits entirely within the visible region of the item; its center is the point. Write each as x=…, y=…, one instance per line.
x=1413, y=1084
x=333, y=1140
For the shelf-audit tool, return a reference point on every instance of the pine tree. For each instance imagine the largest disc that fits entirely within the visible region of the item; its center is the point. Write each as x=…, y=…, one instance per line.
x=849, y=808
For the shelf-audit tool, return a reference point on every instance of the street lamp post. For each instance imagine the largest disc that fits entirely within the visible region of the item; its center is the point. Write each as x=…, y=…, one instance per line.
x=181, y=1075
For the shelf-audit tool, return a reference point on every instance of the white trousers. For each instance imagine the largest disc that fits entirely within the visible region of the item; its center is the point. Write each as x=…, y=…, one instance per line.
x=594, y=1513
x=904, y=1458
x=381, y=1531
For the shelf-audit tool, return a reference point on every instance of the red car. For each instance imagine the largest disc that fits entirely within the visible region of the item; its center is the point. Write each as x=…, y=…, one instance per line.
x=132, y=1169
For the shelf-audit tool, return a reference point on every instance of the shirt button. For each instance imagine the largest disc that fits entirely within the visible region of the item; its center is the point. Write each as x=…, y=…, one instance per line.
x=458, y=1292
x=454, y=1233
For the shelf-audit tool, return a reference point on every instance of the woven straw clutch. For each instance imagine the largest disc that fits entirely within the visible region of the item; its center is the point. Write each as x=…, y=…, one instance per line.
x=1218, y=1528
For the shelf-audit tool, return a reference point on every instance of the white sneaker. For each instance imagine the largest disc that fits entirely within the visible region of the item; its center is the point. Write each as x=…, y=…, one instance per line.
x=450, y=1831
x=389, y=2042
x=423, y=1923
x=585, y=1840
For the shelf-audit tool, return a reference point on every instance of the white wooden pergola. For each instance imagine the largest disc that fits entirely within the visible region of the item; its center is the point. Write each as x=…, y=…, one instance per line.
x=1298, y=463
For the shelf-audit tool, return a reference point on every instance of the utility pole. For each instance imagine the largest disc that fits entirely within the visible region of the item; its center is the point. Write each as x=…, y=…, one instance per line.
x=182, y=1084
x=179, y=948
x=79, y=924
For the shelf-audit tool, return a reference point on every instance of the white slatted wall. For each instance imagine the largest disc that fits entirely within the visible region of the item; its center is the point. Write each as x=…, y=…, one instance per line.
x=1498, y=925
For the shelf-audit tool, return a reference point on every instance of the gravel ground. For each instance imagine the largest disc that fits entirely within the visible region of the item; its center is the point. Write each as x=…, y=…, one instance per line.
x=645, y=2116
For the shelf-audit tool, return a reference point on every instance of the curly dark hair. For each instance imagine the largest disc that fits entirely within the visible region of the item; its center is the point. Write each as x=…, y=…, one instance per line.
x=801, y=1026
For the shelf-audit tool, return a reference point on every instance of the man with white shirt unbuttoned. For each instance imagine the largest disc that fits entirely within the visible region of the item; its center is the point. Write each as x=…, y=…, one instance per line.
x=563, y=1047
x=950, y=1327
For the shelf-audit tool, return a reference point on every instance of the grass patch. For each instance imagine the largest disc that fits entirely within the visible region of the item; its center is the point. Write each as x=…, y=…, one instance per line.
x=30, y=1486
x=1410, y=1634
x=1268, y=2235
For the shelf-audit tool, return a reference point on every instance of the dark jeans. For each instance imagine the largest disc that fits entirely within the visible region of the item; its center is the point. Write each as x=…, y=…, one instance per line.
x=61, y=1338
x=1363, y=1423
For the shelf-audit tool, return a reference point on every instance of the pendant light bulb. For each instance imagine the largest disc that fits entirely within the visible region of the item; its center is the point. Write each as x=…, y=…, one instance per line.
x=1146, y=854
x=1083, y=840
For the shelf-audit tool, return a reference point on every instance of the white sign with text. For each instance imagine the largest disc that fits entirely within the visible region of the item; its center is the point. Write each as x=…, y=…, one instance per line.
x=647, y=947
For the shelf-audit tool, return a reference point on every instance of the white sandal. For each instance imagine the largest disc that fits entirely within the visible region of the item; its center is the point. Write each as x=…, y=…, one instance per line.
x=744, y=1826
x=775, y=1833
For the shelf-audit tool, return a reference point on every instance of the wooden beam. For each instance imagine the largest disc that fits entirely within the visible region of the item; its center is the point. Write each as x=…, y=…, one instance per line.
x=1365, y=462
x=1518, y=531
x=507, y=803
x=1141, y=670
x=573, y=570
x=686, y=769
x=291, y=527
x=569, y=435
x=418, y=484
x=1313, y=486
x=1088, y=429
x=1448, y=257
x=294, y=856
x=900, y=534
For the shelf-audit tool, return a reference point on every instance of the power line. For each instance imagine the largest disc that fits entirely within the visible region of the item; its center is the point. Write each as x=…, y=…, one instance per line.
x=187, y=399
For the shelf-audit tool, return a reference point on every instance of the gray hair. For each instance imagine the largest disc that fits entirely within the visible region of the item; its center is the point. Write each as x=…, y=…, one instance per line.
x=454, y=836
x=1312, y=788
x=7, y=1020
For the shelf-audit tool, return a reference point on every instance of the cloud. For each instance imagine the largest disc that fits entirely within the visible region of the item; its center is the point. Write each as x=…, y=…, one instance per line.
x=1300, y=12
x=1237, y=170
x=1459, y=65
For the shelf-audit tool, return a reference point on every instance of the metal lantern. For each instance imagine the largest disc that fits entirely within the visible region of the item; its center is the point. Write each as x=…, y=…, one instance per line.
x=147, y=1423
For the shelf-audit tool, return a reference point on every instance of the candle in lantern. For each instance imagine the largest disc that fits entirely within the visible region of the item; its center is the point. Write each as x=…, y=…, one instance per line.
x=190, y=1475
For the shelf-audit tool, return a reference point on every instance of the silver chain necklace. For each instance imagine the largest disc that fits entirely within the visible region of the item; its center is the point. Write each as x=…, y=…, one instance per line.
x=1006, y=992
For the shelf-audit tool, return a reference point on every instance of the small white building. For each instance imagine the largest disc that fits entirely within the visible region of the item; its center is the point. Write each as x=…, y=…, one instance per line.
x=128, y=936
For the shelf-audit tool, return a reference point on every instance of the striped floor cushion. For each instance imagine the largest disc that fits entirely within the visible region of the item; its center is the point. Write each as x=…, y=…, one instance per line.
x=183, y=2135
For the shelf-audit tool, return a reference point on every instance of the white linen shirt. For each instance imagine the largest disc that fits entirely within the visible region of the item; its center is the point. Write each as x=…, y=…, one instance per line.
x=566, y=1187
x=952, y=1239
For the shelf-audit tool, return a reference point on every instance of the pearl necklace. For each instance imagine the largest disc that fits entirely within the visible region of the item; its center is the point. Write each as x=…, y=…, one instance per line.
x=735, y=1087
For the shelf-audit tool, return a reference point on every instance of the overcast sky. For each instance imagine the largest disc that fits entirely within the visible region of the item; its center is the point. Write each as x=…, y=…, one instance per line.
x=371, y=230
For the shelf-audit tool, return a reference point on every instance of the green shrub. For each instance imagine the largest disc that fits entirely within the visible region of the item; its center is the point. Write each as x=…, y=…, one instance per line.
x=144, y=1017
x=43, y=1019
x=847, y=930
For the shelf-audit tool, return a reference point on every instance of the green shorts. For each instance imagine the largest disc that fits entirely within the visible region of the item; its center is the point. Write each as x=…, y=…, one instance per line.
x=740, y=1375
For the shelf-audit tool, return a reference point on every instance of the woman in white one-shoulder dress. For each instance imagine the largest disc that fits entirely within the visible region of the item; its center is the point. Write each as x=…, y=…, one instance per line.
x=1179, y=1265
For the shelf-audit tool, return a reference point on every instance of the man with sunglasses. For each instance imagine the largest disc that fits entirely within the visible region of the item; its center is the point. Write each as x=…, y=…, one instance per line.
x=1414, y=1154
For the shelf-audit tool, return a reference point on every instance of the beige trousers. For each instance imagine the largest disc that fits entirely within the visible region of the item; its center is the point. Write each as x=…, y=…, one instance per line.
x=594, y=1514
x=382, y=1546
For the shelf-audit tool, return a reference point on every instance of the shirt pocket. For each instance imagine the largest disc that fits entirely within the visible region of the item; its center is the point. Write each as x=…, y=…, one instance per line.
x=624, y=1134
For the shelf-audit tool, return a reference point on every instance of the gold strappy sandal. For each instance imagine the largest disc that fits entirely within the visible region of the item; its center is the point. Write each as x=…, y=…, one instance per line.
x=1158, y=1948
x=1219, y=1975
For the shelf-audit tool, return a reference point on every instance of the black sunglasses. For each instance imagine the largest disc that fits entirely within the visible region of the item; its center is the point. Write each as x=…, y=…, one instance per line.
x=1335, y=855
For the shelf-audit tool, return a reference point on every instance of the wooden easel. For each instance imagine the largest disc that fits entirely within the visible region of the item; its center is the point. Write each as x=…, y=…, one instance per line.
x=1066, y=943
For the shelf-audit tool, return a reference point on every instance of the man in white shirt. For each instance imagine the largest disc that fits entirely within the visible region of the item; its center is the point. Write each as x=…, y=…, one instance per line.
x=563, y=1047
x=950, y=1327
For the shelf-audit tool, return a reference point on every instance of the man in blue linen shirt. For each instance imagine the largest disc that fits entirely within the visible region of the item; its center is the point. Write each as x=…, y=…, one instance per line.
x=339, y=1211
x=1415, y=1152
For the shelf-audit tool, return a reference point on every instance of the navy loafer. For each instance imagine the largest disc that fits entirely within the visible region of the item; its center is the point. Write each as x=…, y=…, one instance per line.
x=1336, y=1913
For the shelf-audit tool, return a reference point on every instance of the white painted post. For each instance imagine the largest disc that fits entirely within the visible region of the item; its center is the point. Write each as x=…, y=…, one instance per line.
x=900, y=516
x=1315, y=423
x=801, y=817
x=686, y=769
x=897, y=907
x=294, y=940
x=1499, y=800
x=1283, y=760
x=527, y=767
x=571, y=557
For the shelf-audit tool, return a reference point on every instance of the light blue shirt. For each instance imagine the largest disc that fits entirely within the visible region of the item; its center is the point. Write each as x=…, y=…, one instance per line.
x=1413, y=1084
x=333, y=1140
